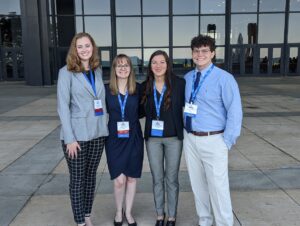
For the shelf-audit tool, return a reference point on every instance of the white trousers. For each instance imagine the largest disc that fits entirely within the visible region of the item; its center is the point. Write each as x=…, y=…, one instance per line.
x=207, y=162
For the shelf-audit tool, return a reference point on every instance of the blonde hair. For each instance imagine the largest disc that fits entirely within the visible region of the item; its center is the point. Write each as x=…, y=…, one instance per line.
x=113, y=84
x=73, y=60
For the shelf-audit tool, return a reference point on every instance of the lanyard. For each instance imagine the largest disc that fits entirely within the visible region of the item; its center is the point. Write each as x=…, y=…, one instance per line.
x=92, y=82
x=157, y=105
x=196, y=90
x=122, y=104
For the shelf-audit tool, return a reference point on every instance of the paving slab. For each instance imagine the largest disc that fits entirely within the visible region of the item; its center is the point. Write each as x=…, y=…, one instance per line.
x=10, y=207
x=285, y=178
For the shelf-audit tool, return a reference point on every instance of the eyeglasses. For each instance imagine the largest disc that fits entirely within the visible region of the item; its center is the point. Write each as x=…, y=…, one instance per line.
x=202, y=51
x=125, y=66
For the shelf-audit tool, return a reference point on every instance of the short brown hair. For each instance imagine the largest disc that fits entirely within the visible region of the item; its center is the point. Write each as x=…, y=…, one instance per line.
x=113, y=85
x=73, y=61
x=203, y=40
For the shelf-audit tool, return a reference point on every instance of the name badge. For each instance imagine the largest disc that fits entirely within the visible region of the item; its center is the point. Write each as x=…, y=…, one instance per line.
x=98, y=107
x=157, y=128
x=190, y=109
x=123, y=129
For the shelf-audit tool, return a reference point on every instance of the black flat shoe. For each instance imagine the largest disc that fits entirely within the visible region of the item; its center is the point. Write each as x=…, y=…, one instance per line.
x=170, y=223
x=160, y=222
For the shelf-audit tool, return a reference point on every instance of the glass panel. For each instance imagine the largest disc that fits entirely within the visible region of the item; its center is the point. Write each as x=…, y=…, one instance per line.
x=79, y=24
x=236, y=58
x=96, y=6
x=293, y=59
x=154, y=26
x=182, y=60
x=249, y=60
x=78, y=7
x=105, y=62
x=270, y=31
x=220, y=57
x=294, y=5
x=183, y=34
x=128, y=7
x=214, y=26
x=136, y=58
x=129, y=32
x=155, y=7
x=263, y=59
x=276, y=61
x=10, y=31
x=180, y=7
x=212, y=6
x=148, y=52
x=20, y=64
x=11, y=7
x=294, y=31
x=271, y=5
x=243, y=29
x=8, y=64
x=102, y=24
x=244, y=6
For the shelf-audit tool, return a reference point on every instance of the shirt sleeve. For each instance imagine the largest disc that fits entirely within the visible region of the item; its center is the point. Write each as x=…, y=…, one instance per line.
x=233, y=105
x=63, y=105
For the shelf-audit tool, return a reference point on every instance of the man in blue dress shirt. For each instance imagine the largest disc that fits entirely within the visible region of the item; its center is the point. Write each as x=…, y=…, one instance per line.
x=213, y=119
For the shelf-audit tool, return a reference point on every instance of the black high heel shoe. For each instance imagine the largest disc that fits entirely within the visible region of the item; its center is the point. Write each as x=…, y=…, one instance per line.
x=130, y=224
x=119, y=223
x=161, y=221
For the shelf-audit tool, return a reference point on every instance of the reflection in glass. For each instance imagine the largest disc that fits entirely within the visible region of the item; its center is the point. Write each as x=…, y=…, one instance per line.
x=220, y=57
x=276, y=61
x=148, y=52
x=214, y=26
x=180, y=7
x=96, y=6
x=8, y=63
x=182, y=60
x=155, y=7
x=136, y=58
x=184, y=28
x=105, y=62
x=264, y=60
x=294, y=31
x=156, y=31
x=239, y=28
x=271, y=28
x=294, y=5
x=11, y=7
x=79, y=24
x=129, y=32
x=293, y=59
x=271, y=5
x=235, y=59
x=78, y=7
x=212, y=6
x=244, y=6
x=128, y=7
x=10, y=31
x=102, y=34
x=249, y=60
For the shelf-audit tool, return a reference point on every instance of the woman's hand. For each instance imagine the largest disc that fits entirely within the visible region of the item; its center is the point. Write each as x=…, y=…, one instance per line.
x=72, y=149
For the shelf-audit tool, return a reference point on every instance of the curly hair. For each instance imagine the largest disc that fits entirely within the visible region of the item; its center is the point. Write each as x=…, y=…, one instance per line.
x=73, y=61
x=150, y=78
x=203, y=40
x=113, y=84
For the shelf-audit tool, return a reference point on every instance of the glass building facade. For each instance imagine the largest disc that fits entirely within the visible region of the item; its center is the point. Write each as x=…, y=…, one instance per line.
x=253, y=37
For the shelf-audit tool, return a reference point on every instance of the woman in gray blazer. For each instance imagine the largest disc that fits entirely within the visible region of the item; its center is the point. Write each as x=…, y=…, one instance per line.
x=82, y=111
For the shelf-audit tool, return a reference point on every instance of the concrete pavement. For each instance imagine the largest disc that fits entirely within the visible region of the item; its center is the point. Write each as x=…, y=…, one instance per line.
x=264, y=165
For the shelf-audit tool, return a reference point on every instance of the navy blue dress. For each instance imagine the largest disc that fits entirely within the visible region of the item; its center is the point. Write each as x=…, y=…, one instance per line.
x=124, y=155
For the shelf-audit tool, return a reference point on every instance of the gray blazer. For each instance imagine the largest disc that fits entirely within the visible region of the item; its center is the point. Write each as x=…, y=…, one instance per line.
x=75, y=107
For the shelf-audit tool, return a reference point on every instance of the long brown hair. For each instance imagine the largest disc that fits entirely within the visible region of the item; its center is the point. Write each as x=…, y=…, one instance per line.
x=150, y=78
x=73, y=60
x=113, y=82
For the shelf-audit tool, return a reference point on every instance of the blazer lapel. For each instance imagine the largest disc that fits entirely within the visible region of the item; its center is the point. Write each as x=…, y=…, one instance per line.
x=84, y=82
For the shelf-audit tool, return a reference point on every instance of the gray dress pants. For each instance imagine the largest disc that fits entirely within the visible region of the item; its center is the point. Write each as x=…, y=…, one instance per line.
x=164, y=156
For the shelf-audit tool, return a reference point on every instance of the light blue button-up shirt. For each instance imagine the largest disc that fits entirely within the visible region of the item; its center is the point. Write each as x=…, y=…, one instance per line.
x=219, y=104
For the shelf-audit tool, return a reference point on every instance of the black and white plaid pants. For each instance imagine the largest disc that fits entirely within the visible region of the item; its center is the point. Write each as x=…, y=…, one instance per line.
x=83, y=171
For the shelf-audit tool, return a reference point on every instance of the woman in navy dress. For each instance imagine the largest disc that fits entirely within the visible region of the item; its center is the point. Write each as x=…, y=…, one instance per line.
x=124, y=145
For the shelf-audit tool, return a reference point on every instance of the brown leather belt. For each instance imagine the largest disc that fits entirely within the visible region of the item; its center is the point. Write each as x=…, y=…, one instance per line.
x=203, y=134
